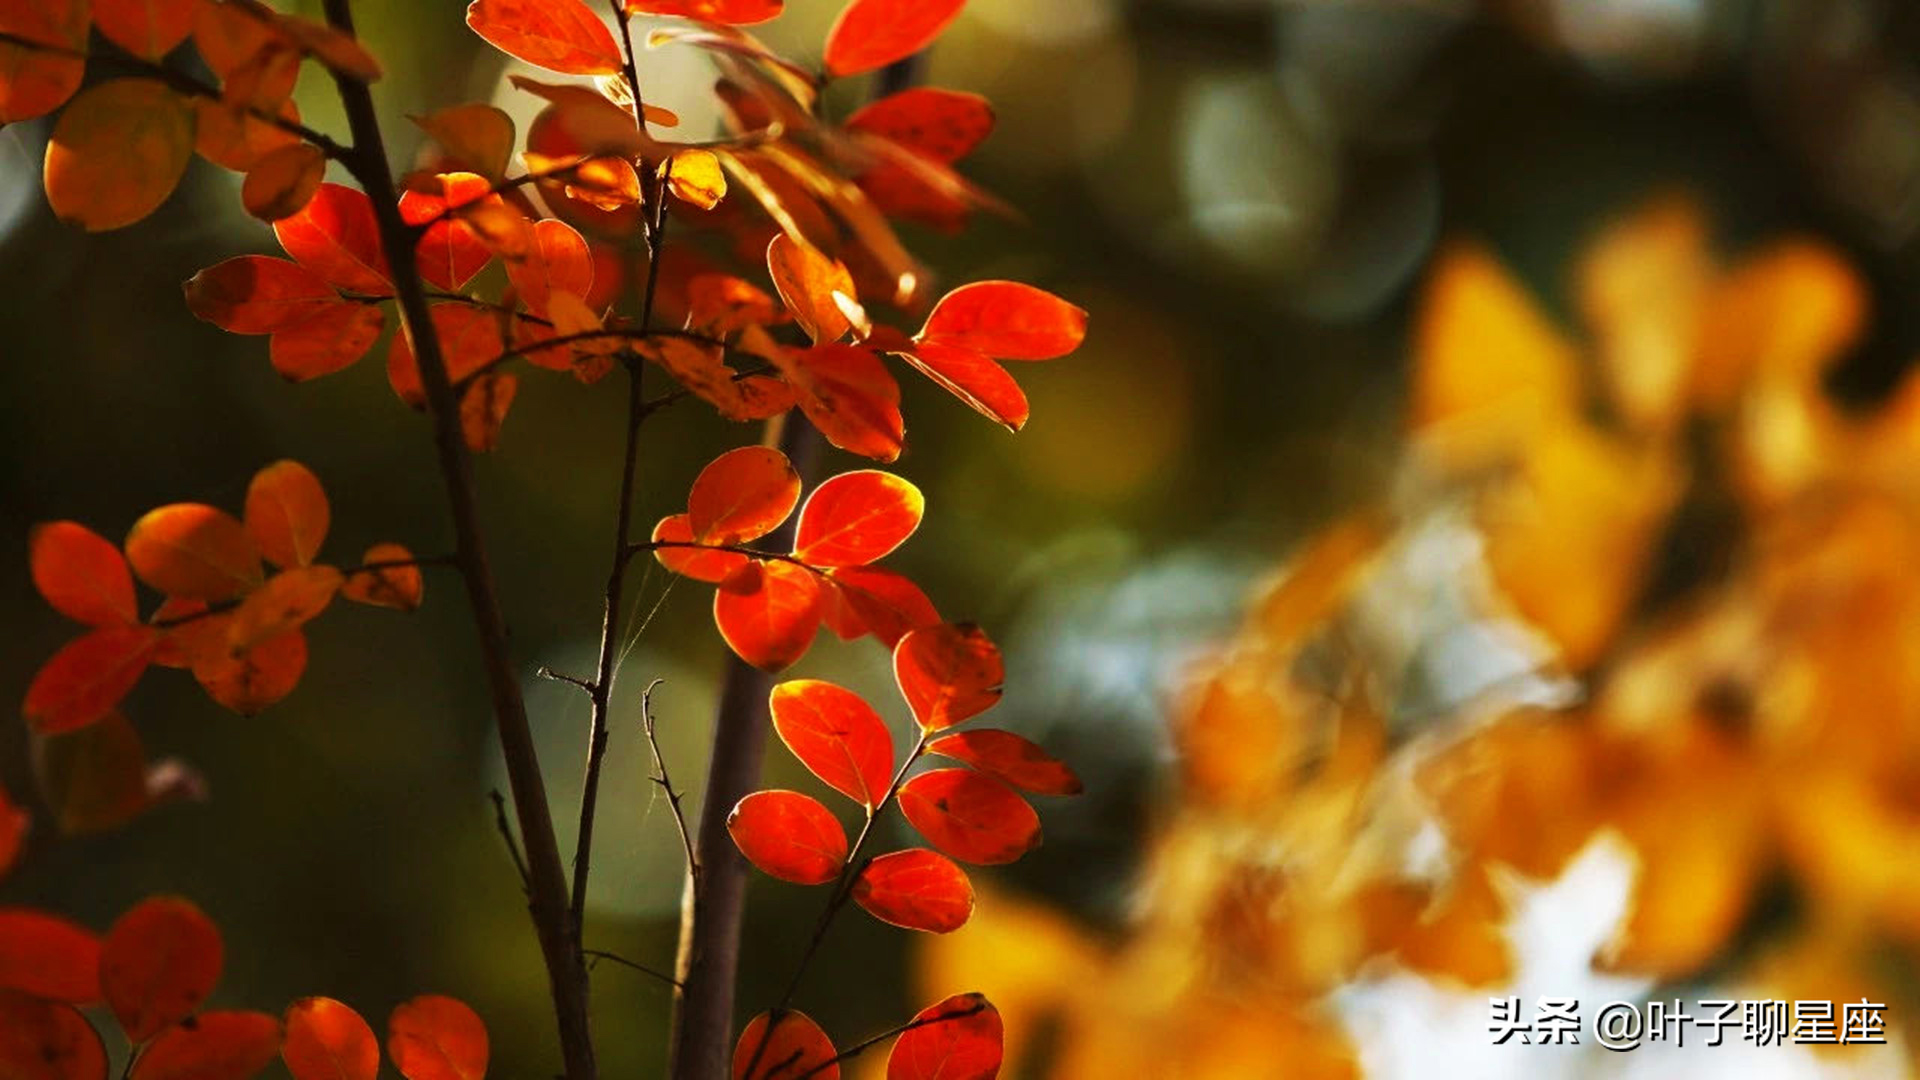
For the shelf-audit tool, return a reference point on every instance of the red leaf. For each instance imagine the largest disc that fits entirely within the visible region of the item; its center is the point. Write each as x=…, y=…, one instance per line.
x=215, y=1046
x=159, y=962
x=398, y=587
x=437, y=1038
x=728, y=12
x=97, y=778
x=14, y=823
x=837, y=736
x=1006, y=319
x=287, y=513
x=856, y=518
x=258, y=294
x=326, y=1040
x=88, y=677
x=469, y=341
x=331, y=339
x=807, y=281
x=972, y=817
x=335, y=236
x=34, y=82
x=940, y=125
x=789, y=836
x=49, y=957
x=959, y=1039
x=483, y=409
x=768, y=612
x=742, y=495
x=849, y=395
x=557, y=261
x=709, y=566
x=916, y=889
x=289, y=600
x=449, y=252
x=81, y=574
x=257, y=678
x=559, y=35
x=948, y=673
x=47, y=1040
x=868, y=600
x=1011, y=759
x=974, y=378
x=874, y=33
x=149, y=28
x=117, y=152
x=194, y=550
x=796, y=1047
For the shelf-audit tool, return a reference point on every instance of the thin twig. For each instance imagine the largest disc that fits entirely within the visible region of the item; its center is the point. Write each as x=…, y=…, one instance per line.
x=731, y=549
x=602, y=954
x=665, y=781
x=223, y=606
x=545, y=672
x=506, y=833
x=864, y=1045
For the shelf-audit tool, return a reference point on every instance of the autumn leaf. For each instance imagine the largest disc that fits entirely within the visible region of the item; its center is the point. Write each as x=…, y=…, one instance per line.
x=807, y=281
x=948, y=673
x=326, y=1040
x=768, y=612
x=1012, y=760
x=871, y=34
x=1006, y=320
x=790, y=836
x=283, y=181
x=216, y=1046
x=93, y=779
x=559, y=35
x=694, y=177
x=973, y=377
x=332, y=338
x=450, y=253
x=837, y=736
x=287, y=513
x=796, y=1047
x=866, y=600
x=849, y=396
x=434, y=1037
x=478, y=138
x=971, y=817
x=117, y=152
x=258, y=294
x=160, y=960
x=958, y=1039
x=742, y=495
x=335, y=236
x=47, y=1040
x=249, y=681
x=392, y=586
x=289, y=600
x=49, y=957
x=857, y=518
x=34, y=82
x=14, y=824
x=81, y=574
x=148, y=28
x=725, y=12
x=700, y=565
x=557, y=261
x=470, y=340
x=915, y=889
x=483, y=409
x=88, y=677
x=194, y=550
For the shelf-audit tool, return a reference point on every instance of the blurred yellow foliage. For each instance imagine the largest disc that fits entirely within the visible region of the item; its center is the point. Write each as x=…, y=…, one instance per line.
x=1749, y=727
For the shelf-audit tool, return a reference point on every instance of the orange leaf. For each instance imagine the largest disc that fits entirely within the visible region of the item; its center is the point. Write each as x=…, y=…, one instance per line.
x=557, y=261
x=871, y=34
x=700, y=369
x=289, y=600
x=258, y=294
x=971, y=817
x=189, y=632
x=1011, y=759
x=479, y=138
x=768, y=612
x=483, y=409
x=849, y=395
x=916, y=889
x=856, y=518
x=82, y=574
x=400, y=587
x=216, y=1046
x=469, y=341
x=326, y=1040
x=283, y=181
x=868, y=600
x=695, y=178
x=331, y=339
x=789, y=836
x=47, y=1040
x=948, y=673
x=721, y=304
x=837, y=736
x=807, y=281
x=159, y=962
x=437, y=1038
x=49, y=957
x=449, y=252
x=335, y=236
x=34, y=82
x=742, y=495
x=149, y=28
x=287, y=513
x=93, y=779
x=249, y=682
x=795, y=1047
x=194, y=550
x=14, y=823
x=959, y=1039
x=728, y=12
x=709, y=566
x=559, y=35
x=975, y=378
x=117, y=152
x=88, y=677
x=1005, y=319
x=231, y=137
x=941, y=125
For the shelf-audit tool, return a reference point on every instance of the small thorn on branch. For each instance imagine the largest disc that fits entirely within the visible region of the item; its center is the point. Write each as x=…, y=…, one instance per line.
x=661, y=777
x=548, y=673
x=513, y=846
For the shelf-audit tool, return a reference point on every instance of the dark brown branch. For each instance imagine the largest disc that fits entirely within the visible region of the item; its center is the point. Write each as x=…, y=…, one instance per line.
x=865, y=1045
x=602, y=954
x=506, y=834
x=547, y=895
x=665, y=781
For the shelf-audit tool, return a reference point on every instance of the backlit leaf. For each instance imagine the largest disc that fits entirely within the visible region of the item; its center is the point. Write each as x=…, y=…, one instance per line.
x=326, y=1040
x=557, y=261
x=916, y=889
x=469, y=338
x=837, y=736
x=88, y=677
x=871, y=34
x=942, y=125
x=257, y=294
x=160, y=960
x=289, y=600
x=287, y=513
x=975, y=378
x=48, y=956
x=335, y=236
x=117, y=152
x=807, y=281
x=216, y=1046
x=768, y=612
x=252, y=680
x=47, y=1040
x=34, y=82
x=961, y=1038
x=857, y=518
x=333, y=338
x=399, y=587
x=867, y=600
x=282, y=182
x=149, y=28
x=1007, y=320
x=483, y=409
x=478, y=138
x=742, y=495
x=795, y=1047
x=14, y=824
x=559, y=35
x=708, y=566
x=849, y=396
x=789, y=836
x=948, y=673
x=93, y=779
x=733, y=12
x=1009, y=758
x=450, y=253
x=696, y=178
x=232, y=137
x=194, y=550
x=81, y=574
x=434, y=1037
x=972, y=817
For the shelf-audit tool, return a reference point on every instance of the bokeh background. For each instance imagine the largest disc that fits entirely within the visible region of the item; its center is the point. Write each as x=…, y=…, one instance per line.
x=1245, y=194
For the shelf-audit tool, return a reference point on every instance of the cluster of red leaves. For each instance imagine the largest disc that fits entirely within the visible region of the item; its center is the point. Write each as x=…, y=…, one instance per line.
x=956, y=1039
x=237, y=628
x=948, y=673
x=153, y=970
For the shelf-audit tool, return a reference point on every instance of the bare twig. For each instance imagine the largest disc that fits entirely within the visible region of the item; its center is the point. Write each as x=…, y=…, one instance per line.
x=731, y=549
x=602, y=954
x=665, y=781
x=545, y=672
x=506, y=833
